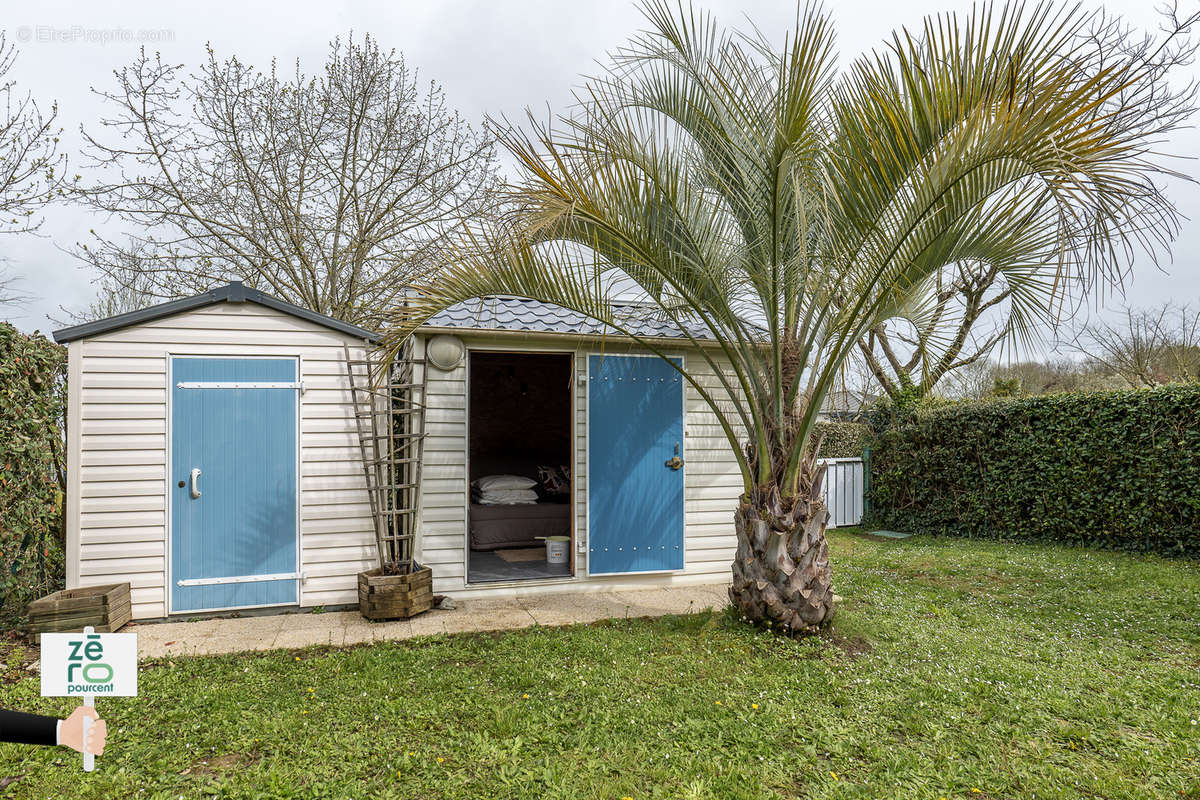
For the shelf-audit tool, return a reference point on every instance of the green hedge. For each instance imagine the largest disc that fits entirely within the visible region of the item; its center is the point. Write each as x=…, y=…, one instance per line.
x=32, y=467
x=842, y=439
x=1112, y=469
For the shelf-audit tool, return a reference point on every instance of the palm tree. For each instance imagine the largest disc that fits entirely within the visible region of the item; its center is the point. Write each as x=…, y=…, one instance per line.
x=790, y=209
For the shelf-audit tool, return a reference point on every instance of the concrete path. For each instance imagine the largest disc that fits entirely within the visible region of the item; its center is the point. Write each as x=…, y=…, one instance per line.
x=343, y=628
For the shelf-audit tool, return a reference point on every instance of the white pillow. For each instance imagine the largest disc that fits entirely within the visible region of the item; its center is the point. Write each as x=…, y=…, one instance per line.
x=492, y=482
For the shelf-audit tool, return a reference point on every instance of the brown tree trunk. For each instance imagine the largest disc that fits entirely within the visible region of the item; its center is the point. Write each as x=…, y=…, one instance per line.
x=781, y=575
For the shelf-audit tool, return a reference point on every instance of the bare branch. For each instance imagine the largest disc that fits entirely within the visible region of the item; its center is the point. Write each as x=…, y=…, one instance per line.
x=31, y=168
x=333, y=191
x=1144, y=346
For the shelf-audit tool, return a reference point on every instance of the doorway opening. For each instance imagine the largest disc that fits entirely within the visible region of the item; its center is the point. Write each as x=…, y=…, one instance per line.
x=519, y=456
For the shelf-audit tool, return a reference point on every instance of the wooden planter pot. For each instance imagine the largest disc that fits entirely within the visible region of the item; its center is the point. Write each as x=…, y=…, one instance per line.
x=105, y=608
x=394, y=596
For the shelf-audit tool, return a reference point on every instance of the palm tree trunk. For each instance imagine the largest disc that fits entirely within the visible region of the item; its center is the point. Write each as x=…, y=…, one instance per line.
x=781, y=575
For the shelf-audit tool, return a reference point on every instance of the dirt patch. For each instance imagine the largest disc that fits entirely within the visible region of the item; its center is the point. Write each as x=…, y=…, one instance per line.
x=980, y=584
x=218, y=764
x=852, y=646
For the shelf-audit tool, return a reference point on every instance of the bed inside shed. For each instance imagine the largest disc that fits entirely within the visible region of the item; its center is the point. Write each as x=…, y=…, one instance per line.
x=519, y=457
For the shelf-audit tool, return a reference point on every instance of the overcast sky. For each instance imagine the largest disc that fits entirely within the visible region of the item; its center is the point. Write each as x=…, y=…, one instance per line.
x=492, y=56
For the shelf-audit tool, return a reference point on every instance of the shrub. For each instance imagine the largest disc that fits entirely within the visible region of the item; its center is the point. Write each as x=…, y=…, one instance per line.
x=843, y=439
x=1112, y=469
x=32, y=466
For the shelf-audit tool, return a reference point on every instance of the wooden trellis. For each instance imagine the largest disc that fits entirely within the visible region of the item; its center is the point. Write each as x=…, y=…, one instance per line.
x=389, y=411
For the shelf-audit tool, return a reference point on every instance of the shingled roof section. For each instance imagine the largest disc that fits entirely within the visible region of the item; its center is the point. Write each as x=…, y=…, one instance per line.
x=531, y=316
x=233, y=292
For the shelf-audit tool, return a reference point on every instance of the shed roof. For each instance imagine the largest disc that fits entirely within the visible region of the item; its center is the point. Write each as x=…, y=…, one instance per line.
x=493, y=313
x=233, y=292
x=518, y=314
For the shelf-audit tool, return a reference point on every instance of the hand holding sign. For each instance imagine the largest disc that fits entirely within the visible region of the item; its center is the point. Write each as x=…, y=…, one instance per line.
x=72, y=734
x=85, y=665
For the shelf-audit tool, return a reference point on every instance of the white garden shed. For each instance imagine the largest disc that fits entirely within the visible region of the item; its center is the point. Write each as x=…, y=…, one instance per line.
x=134, y=418
x=214, y=461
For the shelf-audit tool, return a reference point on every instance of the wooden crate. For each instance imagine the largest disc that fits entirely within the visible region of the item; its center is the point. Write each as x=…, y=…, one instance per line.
x=105, y=608
x=394, y=596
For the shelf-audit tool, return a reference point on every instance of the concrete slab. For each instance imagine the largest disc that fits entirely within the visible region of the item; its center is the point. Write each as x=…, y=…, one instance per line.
x=429, y=623
x=572, y=609
x=328, y=619
x=172, y=644
x=357, y=634
x=303, y=637
x=715, y=595
x=495, y=619
x=657, y=602
x=347, y=628
x=252, y=629
x=194, y=629
x=390, y=631
x=239, y=642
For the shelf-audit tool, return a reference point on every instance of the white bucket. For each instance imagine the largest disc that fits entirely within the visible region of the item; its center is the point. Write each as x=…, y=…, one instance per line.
x=557, y=548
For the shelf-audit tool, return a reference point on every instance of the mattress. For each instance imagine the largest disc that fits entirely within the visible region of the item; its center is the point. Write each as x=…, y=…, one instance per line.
x=493, y=527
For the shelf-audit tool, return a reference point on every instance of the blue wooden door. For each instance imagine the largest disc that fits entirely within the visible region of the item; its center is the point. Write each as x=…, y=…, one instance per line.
x=234, y=420
x=635, y=498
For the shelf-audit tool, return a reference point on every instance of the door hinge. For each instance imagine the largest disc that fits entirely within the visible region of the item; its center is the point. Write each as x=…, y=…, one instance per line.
x=280, y=576
x=241, y=385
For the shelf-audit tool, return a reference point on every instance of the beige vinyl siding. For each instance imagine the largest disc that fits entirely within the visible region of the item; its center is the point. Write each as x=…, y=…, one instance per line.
x=118, y=450
x=712, y=481
x=443, y=518
x=117, y=506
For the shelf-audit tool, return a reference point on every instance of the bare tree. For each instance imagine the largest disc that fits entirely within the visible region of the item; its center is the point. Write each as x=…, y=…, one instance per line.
x=970, y=382
x=1051, y=376
x=30, y=164
x=967, y=321
x=331, y=191
x=9, y=294
x=1145, y=346
x=970, y=313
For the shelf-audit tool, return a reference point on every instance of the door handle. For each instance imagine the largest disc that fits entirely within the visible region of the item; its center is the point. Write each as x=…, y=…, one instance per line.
x=195, y=478
x=674, y=462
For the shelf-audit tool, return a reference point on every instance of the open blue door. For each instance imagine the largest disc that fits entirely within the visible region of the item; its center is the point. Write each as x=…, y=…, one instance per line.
x=635, y=465
x=233, y=483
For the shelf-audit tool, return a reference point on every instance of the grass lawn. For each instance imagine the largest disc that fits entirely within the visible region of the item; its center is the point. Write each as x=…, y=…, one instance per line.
x=955, y=669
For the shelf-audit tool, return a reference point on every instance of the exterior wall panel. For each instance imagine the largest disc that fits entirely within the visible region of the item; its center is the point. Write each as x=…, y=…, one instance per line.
x=117, y=511
x=712, y=482
x=117, y=450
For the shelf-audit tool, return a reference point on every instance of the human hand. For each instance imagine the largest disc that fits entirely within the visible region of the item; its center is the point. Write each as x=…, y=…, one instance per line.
x=71, y=734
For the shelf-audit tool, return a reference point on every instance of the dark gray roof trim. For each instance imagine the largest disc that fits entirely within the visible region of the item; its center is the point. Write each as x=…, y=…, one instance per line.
x=233, y=292
x=532, y=316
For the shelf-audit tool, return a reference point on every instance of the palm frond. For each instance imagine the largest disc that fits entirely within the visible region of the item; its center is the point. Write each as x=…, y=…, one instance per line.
x=790, y=210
